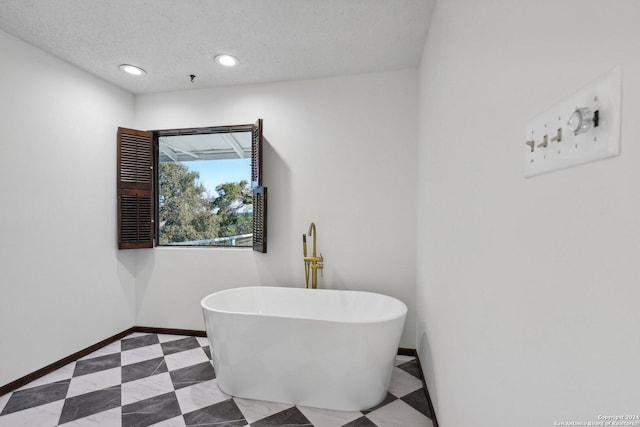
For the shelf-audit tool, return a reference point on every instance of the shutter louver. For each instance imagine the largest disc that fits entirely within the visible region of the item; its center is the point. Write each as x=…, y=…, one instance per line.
x=135, y=155
x=135, y=189
x=135, y=214
x=256, y=154
x=260, y=219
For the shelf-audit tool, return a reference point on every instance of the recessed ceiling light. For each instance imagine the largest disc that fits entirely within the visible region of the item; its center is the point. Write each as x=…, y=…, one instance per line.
x=226, y=60
x=132, y=69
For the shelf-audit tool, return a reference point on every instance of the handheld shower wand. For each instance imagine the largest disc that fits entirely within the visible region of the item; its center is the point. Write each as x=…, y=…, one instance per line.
x=306, y=263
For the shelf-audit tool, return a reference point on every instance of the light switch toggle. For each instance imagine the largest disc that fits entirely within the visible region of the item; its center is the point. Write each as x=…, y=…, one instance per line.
x=582, y=120
x=558, y=137
x=531, y=144
x=545, y=142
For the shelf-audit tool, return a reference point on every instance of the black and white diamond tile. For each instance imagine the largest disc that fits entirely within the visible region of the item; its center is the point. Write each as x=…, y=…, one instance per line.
x=168, y=381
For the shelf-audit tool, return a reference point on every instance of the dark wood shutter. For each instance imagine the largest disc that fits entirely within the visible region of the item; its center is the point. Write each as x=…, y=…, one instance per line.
x=259, y=191
x=260, y=219
x=135, y=189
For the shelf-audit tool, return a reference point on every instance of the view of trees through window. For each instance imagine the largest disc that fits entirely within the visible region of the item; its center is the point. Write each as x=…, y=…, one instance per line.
x=204, y=196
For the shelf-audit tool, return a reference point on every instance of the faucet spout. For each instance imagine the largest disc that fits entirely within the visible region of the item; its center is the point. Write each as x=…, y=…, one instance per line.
x=312, y=232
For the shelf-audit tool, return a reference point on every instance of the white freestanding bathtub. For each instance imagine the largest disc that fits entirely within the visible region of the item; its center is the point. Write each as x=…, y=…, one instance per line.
x=329, y=349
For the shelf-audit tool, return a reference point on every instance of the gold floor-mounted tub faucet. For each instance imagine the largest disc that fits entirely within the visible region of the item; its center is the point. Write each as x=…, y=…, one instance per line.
x=313, y=262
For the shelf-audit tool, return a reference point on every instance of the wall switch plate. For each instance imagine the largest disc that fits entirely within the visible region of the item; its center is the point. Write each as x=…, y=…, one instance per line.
x=550, y=142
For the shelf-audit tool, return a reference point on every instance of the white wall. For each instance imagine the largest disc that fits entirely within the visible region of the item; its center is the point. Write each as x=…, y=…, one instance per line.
x=340, y=152
x=528, y=289
x=63, y=284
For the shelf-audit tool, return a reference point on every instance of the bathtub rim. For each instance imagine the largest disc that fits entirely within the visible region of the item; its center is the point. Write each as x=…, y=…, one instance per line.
x=403, y=311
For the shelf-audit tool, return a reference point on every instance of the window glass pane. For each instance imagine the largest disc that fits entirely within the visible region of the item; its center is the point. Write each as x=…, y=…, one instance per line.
x=204, y=194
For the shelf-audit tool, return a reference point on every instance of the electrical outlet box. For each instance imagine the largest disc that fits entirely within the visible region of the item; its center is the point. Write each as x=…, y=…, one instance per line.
x=581, y=129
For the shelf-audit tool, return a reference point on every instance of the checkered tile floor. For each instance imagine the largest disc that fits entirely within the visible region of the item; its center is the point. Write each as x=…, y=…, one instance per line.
x=168, y=380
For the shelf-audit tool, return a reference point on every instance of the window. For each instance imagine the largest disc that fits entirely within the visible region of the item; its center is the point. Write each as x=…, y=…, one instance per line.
x=191, y=187
x=204, y=189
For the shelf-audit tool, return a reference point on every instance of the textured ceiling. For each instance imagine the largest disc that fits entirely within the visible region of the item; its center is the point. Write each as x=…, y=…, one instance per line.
x=275, y=40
